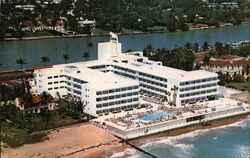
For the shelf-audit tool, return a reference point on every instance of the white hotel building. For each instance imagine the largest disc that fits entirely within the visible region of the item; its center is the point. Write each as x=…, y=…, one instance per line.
x=115, y=80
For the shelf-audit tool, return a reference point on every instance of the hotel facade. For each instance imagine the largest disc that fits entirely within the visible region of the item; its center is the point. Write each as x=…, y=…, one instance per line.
x=116, y=81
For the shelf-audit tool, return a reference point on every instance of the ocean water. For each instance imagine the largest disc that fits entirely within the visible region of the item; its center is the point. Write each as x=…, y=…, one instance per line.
x=230, y=141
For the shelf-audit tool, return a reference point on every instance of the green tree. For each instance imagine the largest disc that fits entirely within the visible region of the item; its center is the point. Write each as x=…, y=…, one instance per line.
x=86, y=55
x=238, y=78
x=196, y=47
x=46, y=116
x=218, y=48
x=206, y=58
x=66, y=58
x=21, y=62
x=148, y=51
x=45, y=60
x=188, y=46
x=205, y=46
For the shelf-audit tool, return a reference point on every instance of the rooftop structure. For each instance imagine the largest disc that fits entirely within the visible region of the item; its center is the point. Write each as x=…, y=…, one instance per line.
x=112, y=82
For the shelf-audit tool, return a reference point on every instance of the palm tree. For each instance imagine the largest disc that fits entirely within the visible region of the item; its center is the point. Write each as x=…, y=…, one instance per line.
x=188, y=46
x=218, y=48
x=168, y=94
x=45, y=60
x=196, y=47
x=85, y=55
x=174, y=88
x=65, y=57
x=90, y=44
x=205, y=46
x=21, y=62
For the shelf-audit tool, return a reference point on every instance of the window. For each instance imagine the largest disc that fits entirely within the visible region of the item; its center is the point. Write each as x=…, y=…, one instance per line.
x=55, y=87
x=111, y=103
x=49, y=89
x=111, y=91
x=117, y=90
x=129, y=94
x=182, y=95
x=197, y=81
x=135, y=99
x=98, y=105
x=135, y=93
x=135, y=87
x=123, y=89
x=55, y=82
x=105, y=92
x=111, y=97
x=98, y=99
x=130, y=88
x=55, y=76
x=61, y=81
x=50, y=83
x=124, y=101
x=105, y=104
x=118, y=102
x=98, y=93
x=105, y=98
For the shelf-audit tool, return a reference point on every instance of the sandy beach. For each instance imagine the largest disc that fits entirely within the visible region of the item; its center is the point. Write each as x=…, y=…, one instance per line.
x=87, y=140
x=79, y=141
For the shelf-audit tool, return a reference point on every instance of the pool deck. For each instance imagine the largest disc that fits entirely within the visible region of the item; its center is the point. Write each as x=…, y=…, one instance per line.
x=126, y=125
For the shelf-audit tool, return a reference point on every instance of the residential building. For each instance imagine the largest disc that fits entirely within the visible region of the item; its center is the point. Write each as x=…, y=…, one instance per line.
x=26, y=7
x=230, y=65
x=60, y=24
x=112, y=82
x=91, y=24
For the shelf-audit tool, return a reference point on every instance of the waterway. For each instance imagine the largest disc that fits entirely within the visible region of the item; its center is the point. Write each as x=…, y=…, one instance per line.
x=33, y=50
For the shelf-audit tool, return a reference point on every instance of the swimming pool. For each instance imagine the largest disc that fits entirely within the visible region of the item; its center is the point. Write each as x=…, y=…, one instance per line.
x=153, y=116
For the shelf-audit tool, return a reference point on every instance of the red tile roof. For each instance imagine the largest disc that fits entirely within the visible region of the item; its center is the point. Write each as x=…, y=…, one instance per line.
x=59, y=22
x=230, y=56
x=226, y=62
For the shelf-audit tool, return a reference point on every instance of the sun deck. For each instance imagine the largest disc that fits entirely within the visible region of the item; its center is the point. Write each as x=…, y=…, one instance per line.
x=129, y=124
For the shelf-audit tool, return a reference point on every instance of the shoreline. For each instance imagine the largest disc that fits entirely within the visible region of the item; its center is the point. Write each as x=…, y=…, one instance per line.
x=100, y=148
x=107, y=34
x=176, y=132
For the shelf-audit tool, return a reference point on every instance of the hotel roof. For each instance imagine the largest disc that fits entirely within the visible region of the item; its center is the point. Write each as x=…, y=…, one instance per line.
x=163, y=71
x=97, y=79
x=101, y=79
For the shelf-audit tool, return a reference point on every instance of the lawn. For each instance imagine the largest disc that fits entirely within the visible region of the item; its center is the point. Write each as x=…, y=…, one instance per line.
x=127, y=31
x=15, y=137
x=239, y=85
x=36, y=34
x=157, y=28
x=98, y=31
x=56, y=119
